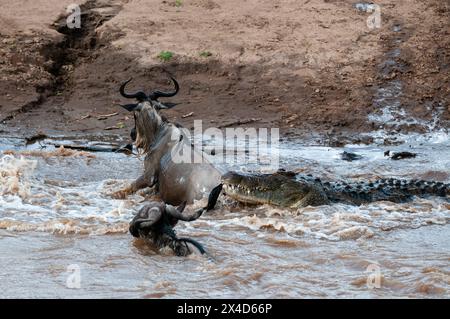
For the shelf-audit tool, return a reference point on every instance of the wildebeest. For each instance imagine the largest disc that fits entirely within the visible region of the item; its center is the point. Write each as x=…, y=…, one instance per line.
x=155, y=221
x=161, y=141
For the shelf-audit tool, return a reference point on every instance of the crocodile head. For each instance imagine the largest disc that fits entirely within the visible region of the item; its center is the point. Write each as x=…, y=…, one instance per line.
x=280, y=189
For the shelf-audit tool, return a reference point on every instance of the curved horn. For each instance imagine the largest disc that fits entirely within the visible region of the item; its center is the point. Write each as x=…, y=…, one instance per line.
x=157, y=94
x=213, y=196
x=141, y=96
x=177, y=213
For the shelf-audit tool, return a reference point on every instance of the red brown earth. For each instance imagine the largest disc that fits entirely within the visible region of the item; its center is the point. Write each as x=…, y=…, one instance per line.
x=306, y=67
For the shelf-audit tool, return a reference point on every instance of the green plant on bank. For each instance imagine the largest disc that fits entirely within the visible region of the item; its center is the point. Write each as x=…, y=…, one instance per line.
x=165, y=55
x=178, y=3
x=205, y=54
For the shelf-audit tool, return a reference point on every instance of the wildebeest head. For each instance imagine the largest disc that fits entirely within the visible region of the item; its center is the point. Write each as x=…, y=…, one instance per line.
x=154, y=216
x=146, y=117
x=155, y=222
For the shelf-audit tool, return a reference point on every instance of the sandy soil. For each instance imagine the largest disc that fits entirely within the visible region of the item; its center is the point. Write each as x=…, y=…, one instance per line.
x=304, y=66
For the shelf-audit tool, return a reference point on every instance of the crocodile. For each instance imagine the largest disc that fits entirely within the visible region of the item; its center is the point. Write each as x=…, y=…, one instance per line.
x=288, y=189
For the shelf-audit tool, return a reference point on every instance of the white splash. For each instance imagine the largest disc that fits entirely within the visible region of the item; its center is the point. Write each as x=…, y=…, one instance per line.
x=30, y=203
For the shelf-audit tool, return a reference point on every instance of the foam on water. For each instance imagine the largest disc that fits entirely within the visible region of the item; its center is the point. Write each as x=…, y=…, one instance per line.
x=31, y=203
x=338, y=221
x=14, y=176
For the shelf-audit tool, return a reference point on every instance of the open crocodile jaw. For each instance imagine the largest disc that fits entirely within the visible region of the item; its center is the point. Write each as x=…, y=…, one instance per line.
x=242, y=194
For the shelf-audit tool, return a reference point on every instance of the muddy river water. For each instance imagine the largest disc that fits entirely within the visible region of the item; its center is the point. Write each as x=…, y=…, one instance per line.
x=63, y=235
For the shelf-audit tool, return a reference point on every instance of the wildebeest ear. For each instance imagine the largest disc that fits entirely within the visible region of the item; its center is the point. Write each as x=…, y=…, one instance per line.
x=131, y=107
x=163, y=106
x=170, y=105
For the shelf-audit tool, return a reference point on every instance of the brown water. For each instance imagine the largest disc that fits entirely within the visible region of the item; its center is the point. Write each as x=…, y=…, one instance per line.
x=57, y=220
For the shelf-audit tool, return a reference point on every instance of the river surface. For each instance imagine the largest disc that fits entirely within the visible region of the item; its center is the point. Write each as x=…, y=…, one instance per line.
x=62, y=235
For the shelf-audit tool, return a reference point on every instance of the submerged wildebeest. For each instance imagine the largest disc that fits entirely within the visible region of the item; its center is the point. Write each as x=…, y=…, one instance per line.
x=155, y=221
x=162, y=142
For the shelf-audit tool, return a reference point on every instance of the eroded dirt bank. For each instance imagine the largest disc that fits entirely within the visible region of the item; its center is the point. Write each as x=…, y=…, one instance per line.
x=304, y=66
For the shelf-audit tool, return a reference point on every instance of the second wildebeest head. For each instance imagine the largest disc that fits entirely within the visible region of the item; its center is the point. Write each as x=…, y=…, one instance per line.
x=146, y=116
x=155, y=222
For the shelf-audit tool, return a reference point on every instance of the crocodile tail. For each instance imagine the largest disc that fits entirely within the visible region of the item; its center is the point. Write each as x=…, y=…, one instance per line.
x=394, y=190
x=416, y=187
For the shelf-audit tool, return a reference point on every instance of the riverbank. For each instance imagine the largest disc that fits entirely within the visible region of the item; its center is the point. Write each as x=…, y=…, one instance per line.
x=312, y=68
